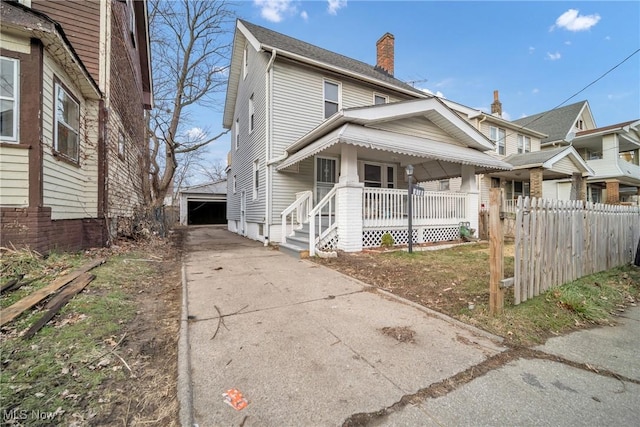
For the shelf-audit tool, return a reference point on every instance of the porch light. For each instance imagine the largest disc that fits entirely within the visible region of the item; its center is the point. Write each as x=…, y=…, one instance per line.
x=409, y=169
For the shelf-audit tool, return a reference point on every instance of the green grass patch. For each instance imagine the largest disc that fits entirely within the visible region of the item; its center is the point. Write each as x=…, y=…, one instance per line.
x=62, y=367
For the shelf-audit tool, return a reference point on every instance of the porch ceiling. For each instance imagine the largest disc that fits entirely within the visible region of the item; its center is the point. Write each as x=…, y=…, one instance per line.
x=432, y=159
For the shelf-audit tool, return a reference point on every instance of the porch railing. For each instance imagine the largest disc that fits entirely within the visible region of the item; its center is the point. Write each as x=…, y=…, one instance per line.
x=387, y=207
x=322, y=220
x=294, y=216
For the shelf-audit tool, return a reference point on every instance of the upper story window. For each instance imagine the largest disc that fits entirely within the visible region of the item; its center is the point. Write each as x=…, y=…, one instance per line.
x=524, y=144
x=380, y=99
x=580, y=124
x=234, y=184
x=132, y=21
x=252, y=113
x=331, y=98
x=66, y=123
x=245, y=62
x=236, y=132
x=9, y=99
x=498, y=136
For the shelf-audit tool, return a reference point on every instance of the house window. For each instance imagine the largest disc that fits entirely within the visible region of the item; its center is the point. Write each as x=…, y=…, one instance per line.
x=132, y=21
x=498, y=135
x=379, y=175
x=66, y=123
x=256, y=178
x=495, y=182
x=252, y=114
x=380, y=99
x=236, y=131
x=121, y=145
x=524, y=144
x=9, y=99
x=594, y=155
x=443, y=185
x=580, y=124
x=331, y=98
x=245, y=62
x=234, y=182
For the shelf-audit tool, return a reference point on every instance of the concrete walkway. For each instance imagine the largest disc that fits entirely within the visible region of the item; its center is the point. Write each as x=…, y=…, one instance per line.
x=306, y=347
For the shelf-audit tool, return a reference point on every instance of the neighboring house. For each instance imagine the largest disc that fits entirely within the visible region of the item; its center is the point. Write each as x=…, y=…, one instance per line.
x=75, y=85
x=323, y=138
x=204, y=203
x=518, y=144
x=611, y=152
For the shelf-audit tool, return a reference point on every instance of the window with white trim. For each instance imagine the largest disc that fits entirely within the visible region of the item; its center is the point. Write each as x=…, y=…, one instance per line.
x=444, y=185
x=380, y=99
x=524, y=144
x=256, y=178
x=9, y=89
x=66, y=123
x=331, y=98
x=234, y=184
x=245, y=62
x=252, y=114
x=498, y=136
x=121, y=144
x=378, y=175
x=236, y=132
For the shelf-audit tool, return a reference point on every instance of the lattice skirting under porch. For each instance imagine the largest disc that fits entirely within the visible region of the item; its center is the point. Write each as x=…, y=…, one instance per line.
x=371, y=238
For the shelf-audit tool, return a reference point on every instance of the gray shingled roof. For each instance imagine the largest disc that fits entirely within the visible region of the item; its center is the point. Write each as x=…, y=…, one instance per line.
x=533, y=158
x=555, y=123
x=289, y=44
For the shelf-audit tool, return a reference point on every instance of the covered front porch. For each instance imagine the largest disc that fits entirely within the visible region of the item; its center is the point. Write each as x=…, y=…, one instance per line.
x=361, y=178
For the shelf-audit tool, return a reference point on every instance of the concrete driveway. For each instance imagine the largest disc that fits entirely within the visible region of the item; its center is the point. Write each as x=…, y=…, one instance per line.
x=303, y=343
x=307, y=347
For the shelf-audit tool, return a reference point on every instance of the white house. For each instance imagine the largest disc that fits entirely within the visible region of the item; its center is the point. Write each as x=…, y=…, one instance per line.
x=321, y=146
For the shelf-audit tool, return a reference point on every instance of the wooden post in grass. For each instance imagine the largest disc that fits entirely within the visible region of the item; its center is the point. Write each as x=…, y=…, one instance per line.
x=496, y=245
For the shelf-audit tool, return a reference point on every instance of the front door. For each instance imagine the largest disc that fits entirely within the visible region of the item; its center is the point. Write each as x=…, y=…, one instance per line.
x=326, y=176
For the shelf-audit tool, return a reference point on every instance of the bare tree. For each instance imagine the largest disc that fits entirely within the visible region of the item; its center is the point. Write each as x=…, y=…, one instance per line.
x=190, y=46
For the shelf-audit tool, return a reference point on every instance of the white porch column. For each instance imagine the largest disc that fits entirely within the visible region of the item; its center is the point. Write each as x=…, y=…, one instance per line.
x=349, y=192
x=469, y=185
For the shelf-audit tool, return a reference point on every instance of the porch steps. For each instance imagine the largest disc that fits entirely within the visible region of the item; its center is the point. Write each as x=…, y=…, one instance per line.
x=297, y=245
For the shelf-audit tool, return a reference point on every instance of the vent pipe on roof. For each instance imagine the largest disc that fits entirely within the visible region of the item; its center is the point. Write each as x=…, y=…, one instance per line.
x=496, y=107
x=385, y=52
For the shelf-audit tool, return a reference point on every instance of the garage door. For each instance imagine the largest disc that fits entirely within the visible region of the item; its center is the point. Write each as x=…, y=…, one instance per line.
x=200, y=213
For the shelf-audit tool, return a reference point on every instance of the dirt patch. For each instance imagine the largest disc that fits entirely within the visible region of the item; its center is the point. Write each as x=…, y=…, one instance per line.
x=400, y=333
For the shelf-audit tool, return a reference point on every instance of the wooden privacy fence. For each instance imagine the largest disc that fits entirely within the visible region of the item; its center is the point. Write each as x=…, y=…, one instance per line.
x=558, y=241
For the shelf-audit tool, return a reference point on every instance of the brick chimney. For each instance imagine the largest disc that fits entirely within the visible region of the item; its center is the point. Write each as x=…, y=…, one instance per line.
x=385, y=52
x=496, y=107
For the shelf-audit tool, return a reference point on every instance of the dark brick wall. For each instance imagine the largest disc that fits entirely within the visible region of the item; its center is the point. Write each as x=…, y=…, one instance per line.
x=34, y=228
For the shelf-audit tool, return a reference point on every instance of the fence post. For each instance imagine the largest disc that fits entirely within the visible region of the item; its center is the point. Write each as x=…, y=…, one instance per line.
x=496, y=245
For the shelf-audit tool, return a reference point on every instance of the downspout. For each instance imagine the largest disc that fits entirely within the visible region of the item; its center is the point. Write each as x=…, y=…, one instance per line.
x=267, y=156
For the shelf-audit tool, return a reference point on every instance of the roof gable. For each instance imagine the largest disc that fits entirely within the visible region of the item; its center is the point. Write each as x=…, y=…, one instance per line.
x=546, y=159
x=557, y=123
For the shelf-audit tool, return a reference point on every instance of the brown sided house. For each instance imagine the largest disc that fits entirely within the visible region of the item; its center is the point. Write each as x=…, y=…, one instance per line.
x=76, y=84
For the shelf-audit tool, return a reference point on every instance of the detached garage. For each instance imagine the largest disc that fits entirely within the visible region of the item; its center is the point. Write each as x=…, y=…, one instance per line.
x=204, y=204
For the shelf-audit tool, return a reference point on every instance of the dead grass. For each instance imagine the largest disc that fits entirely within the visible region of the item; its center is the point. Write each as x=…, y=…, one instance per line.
x=449, y=280
x=109, y=357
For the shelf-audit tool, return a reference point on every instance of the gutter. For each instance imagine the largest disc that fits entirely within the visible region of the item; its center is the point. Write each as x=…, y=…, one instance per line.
x=267, y=155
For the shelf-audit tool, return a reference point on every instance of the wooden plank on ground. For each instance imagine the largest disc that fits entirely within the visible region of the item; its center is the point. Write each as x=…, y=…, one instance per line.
x=59, y=301
x=15, y=310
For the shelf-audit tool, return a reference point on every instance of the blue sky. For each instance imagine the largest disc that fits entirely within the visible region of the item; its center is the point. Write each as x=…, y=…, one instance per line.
x=537, y=54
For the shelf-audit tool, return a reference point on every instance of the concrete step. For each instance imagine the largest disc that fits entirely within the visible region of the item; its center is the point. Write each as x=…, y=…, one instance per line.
x=294, y=250
x=299, y=240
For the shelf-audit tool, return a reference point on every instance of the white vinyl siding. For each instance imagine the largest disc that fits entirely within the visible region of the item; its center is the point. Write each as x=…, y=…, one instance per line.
x=70, y=190
x=9, y=99
x=418, y=126
x=565, y=165
x=14, y=177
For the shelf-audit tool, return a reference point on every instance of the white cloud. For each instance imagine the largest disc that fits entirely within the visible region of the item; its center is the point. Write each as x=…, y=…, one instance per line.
x=572, y=21
x=335, y=5
x=506, y=115
x=196, y=134
x=274, y=10
x=535, y=90
x=608, y=38
x=437, y=93
x=531, y=49
x=304, y=15
x=568, y=43
x=553, y=56
x=445, y=82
